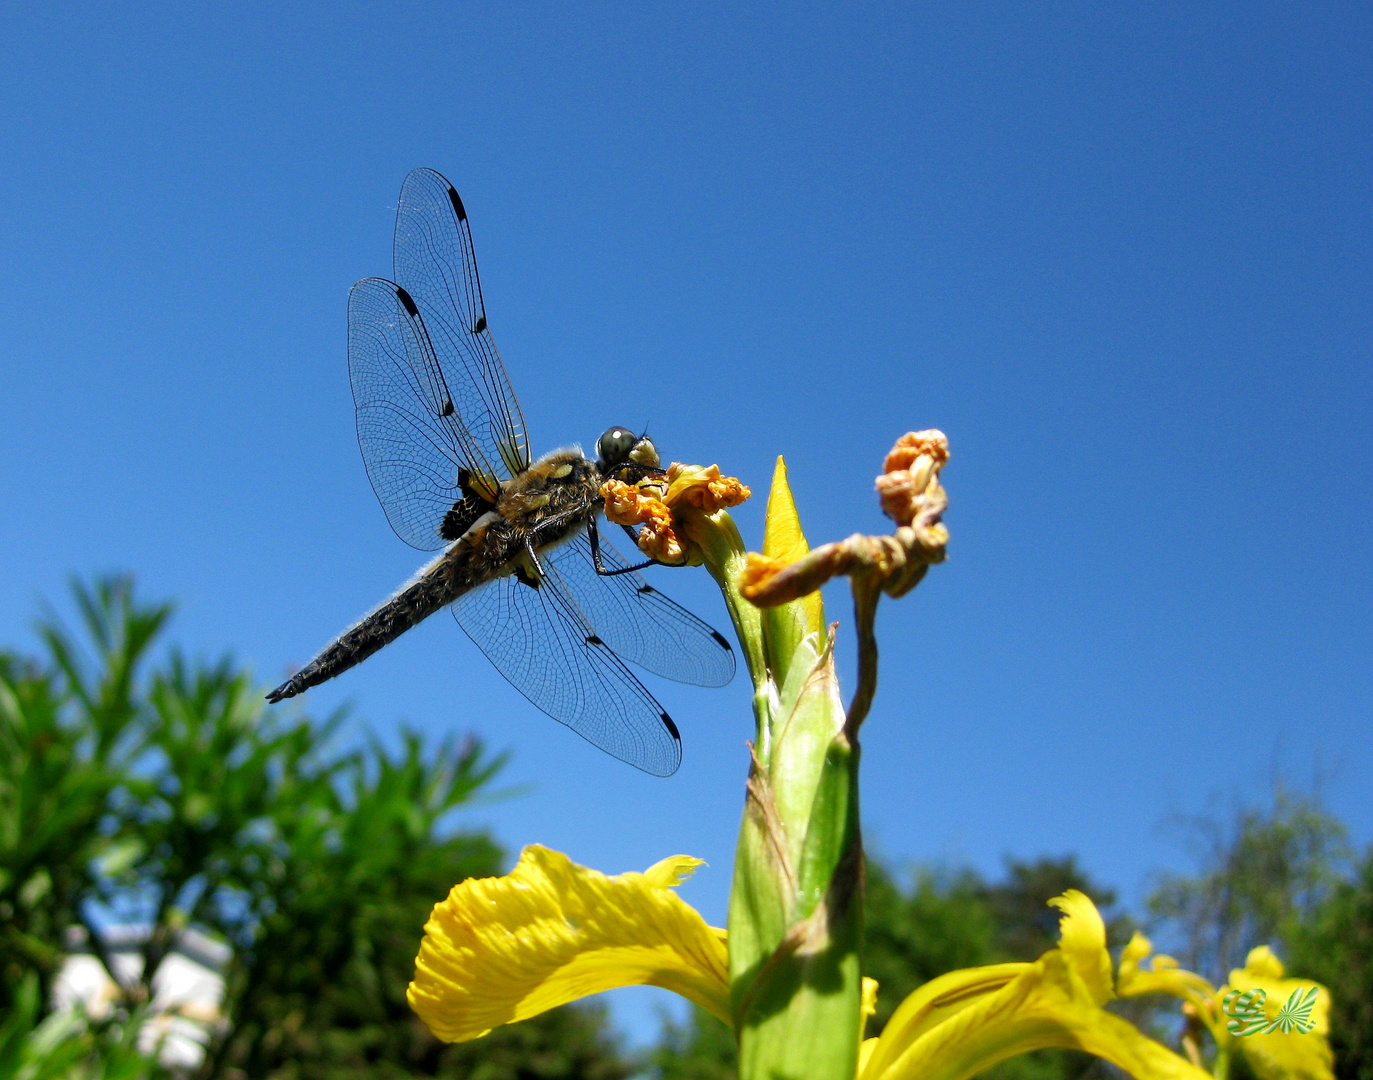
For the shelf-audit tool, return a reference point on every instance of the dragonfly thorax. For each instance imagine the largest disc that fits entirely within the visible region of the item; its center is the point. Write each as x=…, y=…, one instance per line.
x=556, y=484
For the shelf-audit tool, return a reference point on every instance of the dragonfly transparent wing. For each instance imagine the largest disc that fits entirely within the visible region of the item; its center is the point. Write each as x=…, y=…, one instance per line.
x=641, y=624
x=538, y=640
x=434, y=263
x=414, y=444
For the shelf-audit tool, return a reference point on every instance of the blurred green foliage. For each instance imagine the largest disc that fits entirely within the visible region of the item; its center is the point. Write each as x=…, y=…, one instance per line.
x=162, y=793
x=1335, y=947
x=66, y=1046
x=70, y=733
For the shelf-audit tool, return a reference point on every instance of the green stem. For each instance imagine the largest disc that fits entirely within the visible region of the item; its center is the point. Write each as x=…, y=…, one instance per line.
x=1220, y=1068
x=724, y=553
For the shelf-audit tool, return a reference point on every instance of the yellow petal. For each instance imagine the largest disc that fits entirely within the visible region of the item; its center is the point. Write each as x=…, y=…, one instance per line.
x=1281, y=1055
x=966, y=1021
x=505, y=949
x=1082, y=938
x=1082, y=935
x=935, y=1002
x=784, y=541
x=1136, y=949
x=1291, y=1056
x=1262, y=963
x=868, y=1004
x=865, y=1052
x=1164, y=978
x=782, y=536
x=1046, y=1005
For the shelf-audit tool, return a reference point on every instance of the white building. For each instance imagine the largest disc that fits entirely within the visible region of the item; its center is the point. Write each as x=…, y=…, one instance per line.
x=188, y=990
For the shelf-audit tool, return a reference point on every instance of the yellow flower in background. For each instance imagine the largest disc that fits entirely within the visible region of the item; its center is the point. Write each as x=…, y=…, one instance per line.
x=549, y=932
x=1282, y=1055
x=966, y=1021
x=1163, y=977
x=1276, y=1055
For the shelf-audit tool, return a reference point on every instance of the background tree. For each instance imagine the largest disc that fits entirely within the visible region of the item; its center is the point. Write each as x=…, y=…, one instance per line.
x=69, y=732
x=1335, y=947
x=163, y=794
x=1262, y=874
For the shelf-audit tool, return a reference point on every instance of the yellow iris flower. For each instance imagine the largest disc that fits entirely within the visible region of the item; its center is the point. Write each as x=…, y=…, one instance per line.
x=503, y=949
x=499, y=950
x=1275, y=1056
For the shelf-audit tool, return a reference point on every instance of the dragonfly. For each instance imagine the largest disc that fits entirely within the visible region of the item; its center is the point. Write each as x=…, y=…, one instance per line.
x=524, y=567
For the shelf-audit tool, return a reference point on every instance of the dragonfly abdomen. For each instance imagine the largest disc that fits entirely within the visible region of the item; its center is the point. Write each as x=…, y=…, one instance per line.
x=437, y=586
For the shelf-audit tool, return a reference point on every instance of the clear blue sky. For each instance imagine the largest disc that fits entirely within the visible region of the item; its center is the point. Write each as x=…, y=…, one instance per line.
x=1120, y=253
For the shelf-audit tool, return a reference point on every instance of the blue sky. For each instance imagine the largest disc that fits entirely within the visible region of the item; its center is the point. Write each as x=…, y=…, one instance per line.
x=1119, y=253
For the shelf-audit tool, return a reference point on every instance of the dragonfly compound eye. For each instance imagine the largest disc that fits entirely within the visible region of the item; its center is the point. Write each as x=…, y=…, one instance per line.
x=614, y=445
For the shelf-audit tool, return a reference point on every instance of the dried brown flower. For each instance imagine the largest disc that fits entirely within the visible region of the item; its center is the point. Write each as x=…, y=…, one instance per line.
x=653, y=503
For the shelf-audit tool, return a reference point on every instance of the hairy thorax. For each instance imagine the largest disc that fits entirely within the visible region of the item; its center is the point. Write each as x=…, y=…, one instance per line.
x=543, y=506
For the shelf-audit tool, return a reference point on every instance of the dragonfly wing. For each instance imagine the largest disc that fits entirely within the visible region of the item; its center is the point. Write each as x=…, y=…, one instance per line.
x=414, y=444
x=435, y=263
x=641, y=624
x=537, y=638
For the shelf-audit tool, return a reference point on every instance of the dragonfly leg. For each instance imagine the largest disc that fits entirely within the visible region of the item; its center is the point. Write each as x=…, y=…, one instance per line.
x=552, y=524
x=534, y=562
x=595, y=536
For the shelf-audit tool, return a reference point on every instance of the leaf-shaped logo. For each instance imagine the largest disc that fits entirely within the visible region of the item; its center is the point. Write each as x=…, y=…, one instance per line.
x=1296, y=1014
x=1245, y=1009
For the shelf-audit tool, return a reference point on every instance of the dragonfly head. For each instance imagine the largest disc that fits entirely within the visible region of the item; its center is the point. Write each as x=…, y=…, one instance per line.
x=619, y=446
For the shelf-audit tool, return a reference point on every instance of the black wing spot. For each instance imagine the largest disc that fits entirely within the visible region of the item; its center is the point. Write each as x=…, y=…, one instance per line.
x=524, y=577
x=721, y=639
x=592, y=639
x=447, y=409
x=481, y=325
x=646, y=589
x=458, y=208
x=671, y=727
x=462, y=517
x=405, y=299
x=471, y=492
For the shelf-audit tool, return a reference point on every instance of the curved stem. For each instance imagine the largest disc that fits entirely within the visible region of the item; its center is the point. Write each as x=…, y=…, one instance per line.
x=867, y=590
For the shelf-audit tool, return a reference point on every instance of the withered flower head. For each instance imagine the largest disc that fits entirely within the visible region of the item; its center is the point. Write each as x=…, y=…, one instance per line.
x=758, y=571
x=910, y=471
x=932, y=443
x=703, y=488
x=910, y=494
x=657, y=504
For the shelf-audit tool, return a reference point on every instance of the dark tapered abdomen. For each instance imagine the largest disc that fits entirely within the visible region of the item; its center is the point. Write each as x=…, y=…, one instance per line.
x=415, y=602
